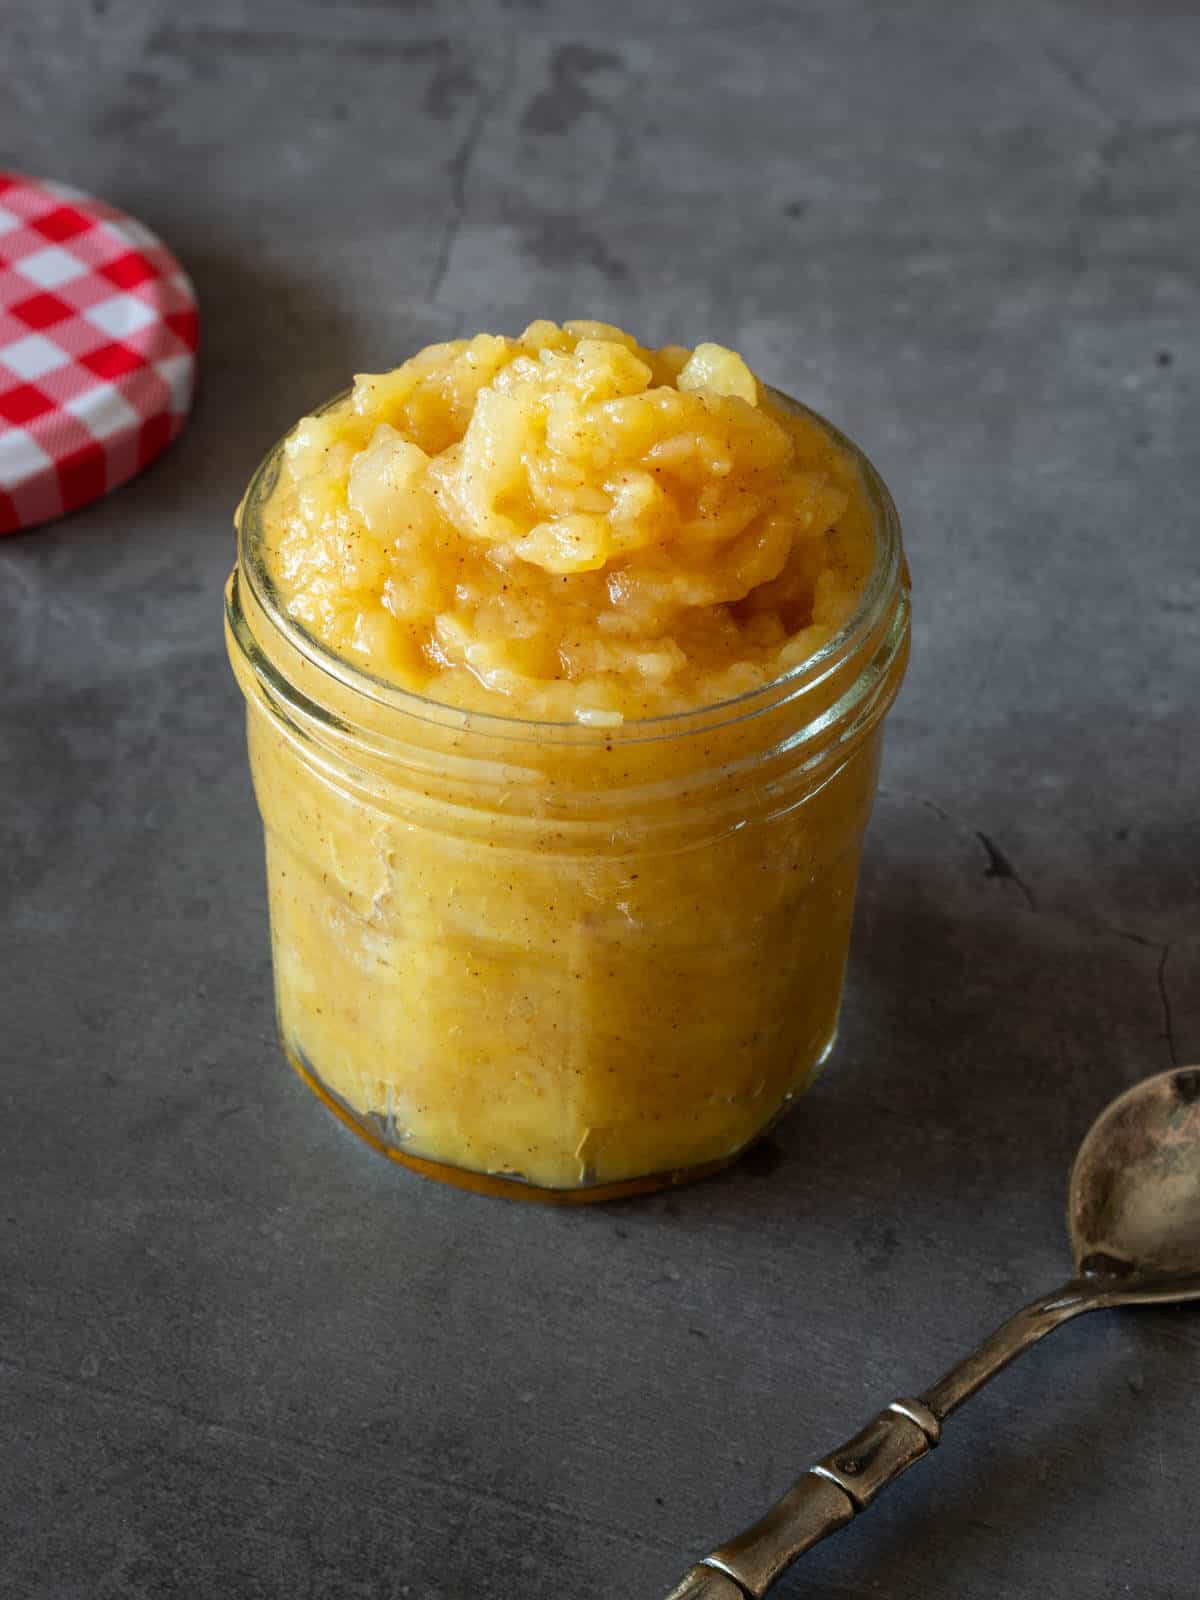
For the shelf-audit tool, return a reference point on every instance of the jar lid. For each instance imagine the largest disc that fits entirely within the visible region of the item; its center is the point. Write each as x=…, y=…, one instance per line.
x=98, y=337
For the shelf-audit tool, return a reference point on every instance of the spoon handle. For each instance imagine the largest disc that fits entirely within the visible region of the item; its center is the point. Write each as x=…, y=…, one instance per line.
x=848, y=1480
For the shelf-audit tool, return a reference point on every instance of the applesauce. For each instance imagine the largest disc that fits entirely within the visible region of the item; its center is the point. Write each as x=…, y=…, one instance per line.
x=565, y=662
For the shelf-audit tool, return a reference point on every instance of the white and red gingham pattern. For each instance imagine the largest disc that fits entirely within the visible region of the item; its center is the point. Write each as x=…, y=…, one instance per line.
x=98, y=337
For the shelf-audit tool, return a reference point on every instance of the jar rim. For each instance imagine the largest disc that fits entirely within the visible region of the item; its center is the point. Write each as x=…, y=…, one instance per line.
x=887, y=577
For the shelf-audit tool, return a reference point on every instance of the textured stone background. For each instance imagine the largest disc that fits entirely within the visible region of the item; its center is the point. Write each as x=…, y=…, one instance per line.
x=241, y=1357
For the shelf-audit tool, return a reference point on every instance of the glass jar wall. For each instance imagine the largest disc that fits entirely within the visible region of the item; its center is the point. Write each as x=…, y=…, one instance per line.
x=561, y=961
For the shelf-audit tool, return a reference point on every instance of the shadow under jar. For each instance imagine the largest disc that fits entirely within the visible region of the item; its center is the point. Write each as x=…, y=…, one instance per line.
x=556, y=961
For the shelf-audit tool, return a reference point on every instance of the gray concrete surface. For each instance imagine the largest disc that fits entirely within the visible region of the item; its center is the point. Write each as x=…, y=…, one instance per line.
x=240, y=1356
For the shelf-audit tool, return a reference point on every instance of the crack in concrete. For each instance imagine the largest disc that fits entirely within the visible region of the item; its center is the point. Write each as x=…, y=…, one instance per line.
x=999, y=866
x=1165, y=998
x=998, y=863
x=307, y=1452
x=460, y=168
x=1078, y=84
x=1163, y=948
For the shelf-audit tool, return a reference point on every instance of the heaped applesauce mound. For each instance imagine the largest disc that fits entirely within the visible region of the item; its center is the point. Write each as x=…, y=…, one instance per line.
x=567, y=526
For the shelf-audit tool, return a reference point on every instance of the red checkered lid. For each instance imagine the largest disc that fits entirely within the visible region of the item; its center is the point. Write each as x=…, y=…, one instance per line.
x=98, y=336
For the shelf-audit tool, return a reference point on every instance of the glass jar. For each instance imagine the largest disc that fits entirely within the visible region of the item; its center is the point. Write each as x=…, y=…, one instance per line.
x=557, y=961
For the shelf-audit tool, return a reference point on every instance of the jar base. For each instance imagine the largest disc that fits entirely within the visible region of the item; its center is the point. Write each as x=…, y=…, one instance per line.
x=517, y=1188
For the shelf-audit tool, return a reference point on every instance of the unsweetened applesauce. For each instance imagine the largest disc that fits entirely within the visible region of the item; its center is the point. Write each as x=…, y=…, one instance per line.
x=566, y=662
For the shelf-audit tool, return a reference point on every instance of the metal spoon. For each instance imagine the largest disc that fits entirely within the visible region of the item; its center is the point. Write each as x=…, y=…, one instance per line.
x=1134, y=1215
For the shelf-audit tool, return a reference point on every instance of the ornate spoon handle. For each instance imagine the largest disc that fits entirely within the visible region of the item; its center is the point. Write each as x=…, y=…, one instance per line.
x=848, y=1480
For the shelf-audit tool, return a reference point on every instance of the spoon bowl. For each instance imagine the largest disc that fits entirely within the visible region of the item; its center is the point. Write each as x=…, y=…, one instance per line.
x=1134, y=1207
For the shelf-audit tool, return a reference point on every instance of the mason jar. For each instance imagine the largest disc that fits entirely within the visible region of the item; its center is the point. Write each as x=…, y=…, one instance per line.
x=558, y=961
